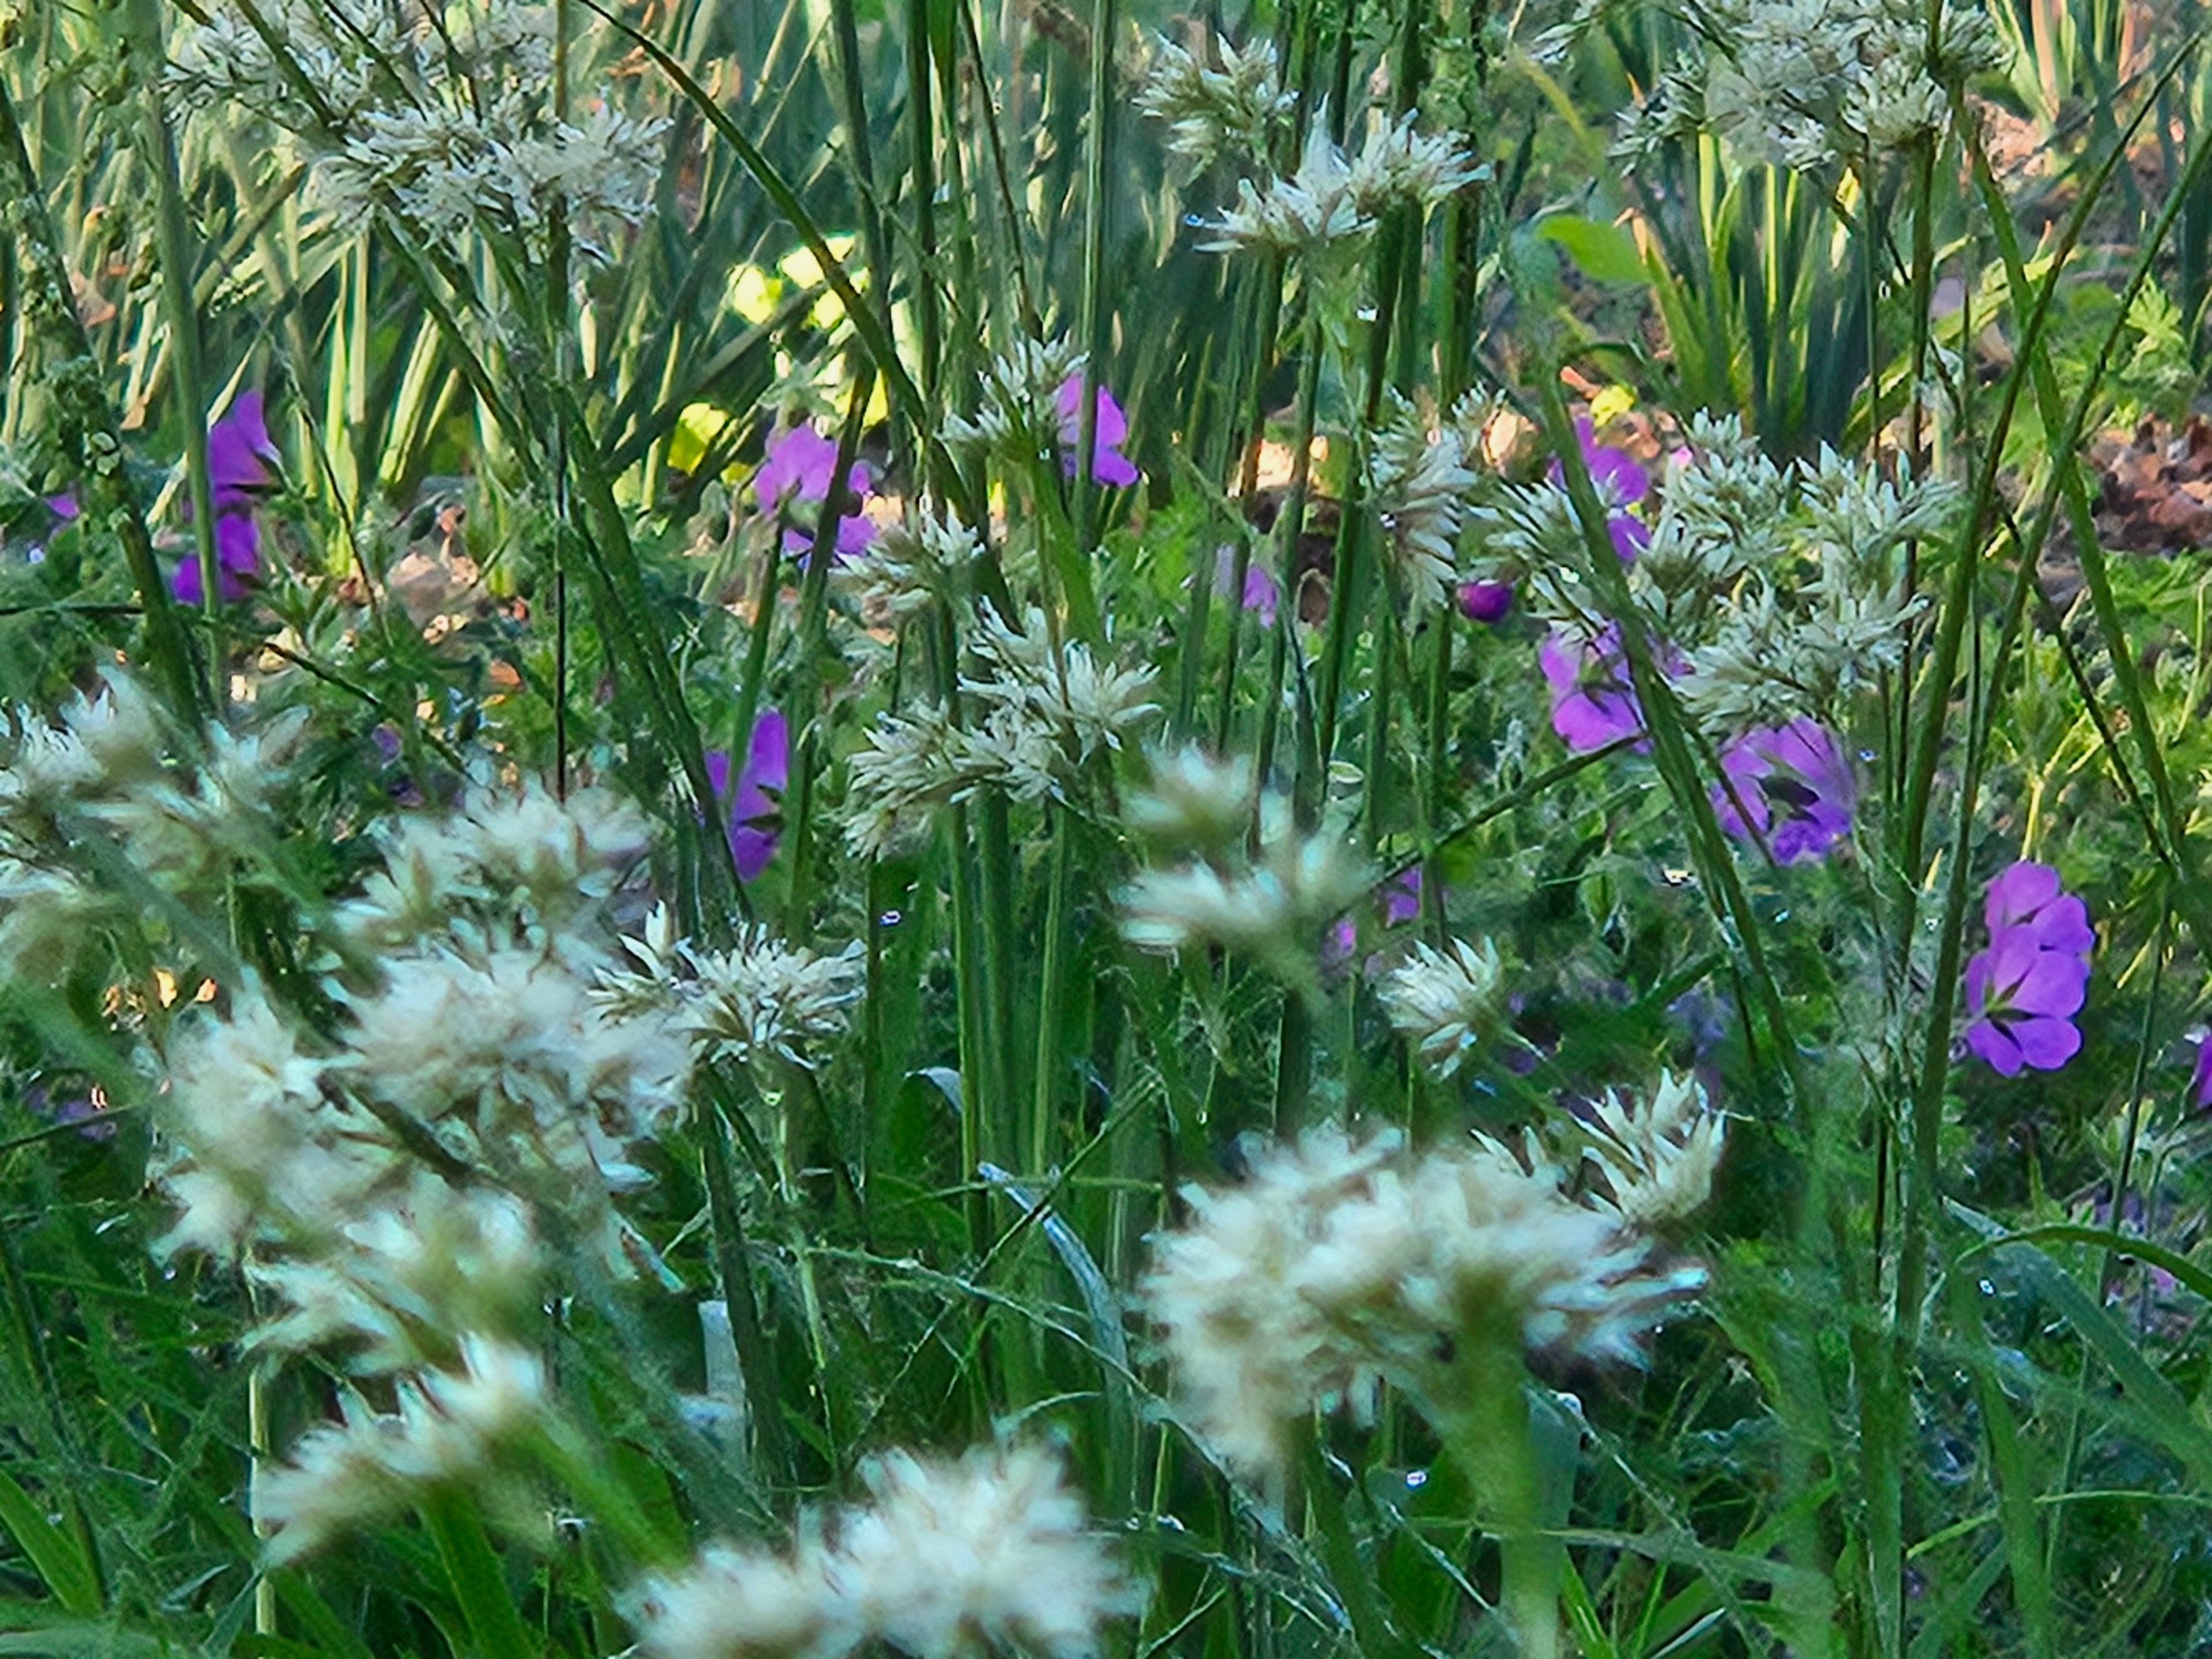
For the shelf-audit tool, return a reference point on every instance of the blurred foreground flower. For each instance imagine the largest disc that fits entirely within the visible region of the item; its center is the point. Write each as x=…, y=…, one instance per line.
x=1336, y=1261
x=950, y=1557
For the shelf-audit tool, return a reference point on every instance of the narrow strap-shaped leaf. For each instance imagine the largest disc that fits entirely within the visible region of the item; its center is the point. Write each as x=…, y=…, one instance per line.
x=59, y=1562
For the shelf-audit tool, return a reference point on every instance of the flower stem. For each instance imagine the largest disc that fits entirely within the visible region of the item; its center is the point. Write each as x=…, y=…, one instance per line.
x=1489, y=1434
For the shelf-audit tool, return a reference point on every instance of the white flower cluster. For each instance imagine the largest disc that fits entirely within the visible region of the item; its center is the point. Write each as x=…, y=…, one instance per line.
x=1238, y=110
x=766, y=999
x=1807, y=82
x=1272, y=905
x=1445, y=1001
x=1657, y=1164
x=948, y=1558
x=1422, y=477
x=1332, y=203
x=449, y=1431
x=1037, y=711
x=479, y=1049
x=1777, y=591
x=1018, y=417
x=1196, y=801
x=1338, y=1261
x=920, y=562
x=380, y=1180
x=505, y=853
x=447, y=128
x=103, y=788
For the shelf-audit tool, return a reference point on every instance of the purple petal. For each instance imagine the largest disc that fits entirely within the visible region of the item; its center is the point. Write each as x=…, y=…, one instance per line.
x=1977, y=983
x=239, y=452
x=798, y=465
x=2046, y=1044
x=237, y=547
x=2055, y=983
x=1631, y=536
x=2200, y=1080
x=1560, y=657
x=1111, y=466
x=752, y=828
x=1110, y=430
x=1990, y=1042
x=63, y=506
x=2018, y=892
x=2061, y=925
x=1401, y=899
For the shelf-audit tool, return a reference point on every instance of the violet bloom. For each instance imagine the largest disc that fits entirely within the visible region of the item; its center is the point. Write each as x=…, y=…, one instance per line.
x=238, y=563
x=2200, y=1080
x=2020, y=1000
x=1795, y=785
x=1621, y=482
x=2026, y=899
x=1261, y=591
x=753, y=829
x=241, y=457
x=1401, y=898
x=798, y=468
x=1109, y=465
x=1593, y=703
x=1485, y=602
x=64, y=507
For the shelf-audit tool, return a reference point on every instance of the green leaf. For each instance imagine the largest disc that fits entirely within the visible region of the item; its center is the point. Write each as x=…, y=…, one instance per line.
x=59, y=1561
x=1603, y=253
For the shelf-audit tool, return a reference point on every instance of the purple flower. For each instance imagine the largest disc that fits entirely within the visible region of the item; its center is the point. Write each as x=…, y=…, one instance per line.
x=64, y=507
x=238, y=563
x=1796, y=789
x=2026, y=899
x=754, y=828
x=2022, y=992
x=798, y=467
x=1107, y=464
x=1592, y=701
x=241, y=458
x=2020, y=1000
x=2200, y=1080
x=1621, y=483
x=1485, y=602
x=1261, y=592
x=1401, y=898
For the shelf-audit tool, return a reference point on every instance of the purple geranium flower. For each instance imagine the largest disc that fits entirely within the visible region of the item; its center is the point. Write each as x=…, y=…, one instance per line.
x=2200, y=1080
x=241, y=457
x=1795, y=785
x=64, y=507
x=1592, y=701
x=2020, y=1000
x=1621, y=483
x=2026, y=899
x=753, y=829
x=1485, y=602
x=1401, y=898
x=1107, y=464
x=238, y=563
x=1261, y=591
x=798, y=467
